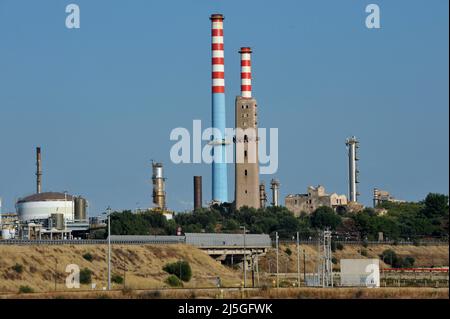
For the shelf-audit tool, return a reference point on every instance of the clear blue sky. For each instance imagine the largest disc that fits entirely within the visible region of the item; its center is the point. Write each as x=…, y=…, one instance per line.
x=101, y=101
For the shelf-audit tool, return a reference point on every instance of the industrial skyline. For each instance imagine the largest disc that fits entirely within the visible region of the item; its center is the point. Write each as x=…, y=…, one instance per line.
x=119, y=122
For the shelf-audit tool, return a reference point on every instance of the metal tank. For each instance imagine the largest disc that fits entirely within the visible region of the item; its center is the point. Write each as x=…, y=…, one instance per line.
x=58, y=221
x=80, y=210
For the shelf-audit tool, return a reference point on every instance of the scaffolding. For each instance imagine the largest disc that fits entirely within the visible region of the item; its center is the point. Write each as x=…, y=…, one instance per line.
x=325, y=263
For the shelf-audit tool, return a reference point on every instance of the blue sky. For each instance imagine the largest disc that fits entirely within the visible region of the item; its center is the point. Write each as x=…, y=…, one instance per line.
x=101, y=100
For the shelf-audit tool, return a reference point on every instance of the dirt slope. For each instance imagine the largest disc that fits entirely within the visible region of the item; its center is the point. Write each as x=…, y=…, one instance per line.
x=143, y=265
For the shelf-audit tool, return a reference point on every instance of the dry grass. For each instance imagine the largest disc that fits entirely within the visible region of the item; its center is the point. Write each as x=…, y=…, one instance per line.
x=143, y=264
x=298, y=293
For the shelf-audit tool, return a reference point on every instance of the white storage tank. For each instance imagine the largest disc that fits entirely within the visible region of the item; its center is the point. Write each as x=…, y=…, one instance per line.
x=43, y=205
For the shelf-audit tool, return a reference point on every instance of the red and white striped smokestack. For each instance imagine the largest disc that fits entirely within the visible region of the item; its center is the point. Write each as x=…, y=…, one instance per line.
x=246, y=72
x=218, y=71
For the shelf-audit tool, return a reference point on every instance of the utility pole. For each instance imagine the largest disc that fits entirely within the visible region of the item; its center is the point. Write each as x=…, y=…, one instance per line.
x=304, y=266
x=108, y=213
x=298, y=259
x=245, y=258
x=276, y=241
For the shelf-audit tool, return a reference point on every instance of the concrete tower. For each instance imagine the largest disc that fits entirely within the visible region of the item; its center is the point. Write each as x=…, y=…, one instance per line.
x=246, y=140
x=352, y=146
x=219, y=167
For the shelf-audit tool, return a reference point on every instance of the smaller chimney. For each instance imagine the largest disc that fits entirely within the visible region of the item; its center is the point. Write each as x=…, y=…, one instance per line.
x=275, y=186
x=262, y=195
x=246, y=72
x=38, y=170
x=197, y=192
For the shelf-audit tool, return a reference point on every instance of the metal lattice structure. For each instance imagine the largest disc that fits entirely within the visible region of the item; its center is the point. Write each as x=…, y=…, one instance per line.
x=325, y=264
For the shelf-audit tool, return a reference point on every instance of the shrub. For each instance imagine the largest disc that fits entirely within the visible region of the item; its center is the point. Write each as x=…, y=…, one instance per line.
x=408, y=262
x=288, y=251
x=85, y=276
x=88, y=256
x=25, y=289
x=334, y=260
x=18, y=268
x=174, y=281
x=364, y=252
x=181, y=269
x=118, y=279
x=339, y=246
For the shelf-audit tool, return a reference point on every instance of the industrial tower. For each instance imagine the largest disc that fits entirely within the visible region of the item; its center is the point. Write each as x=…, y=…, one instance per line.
x=246, y=155
x=159, y=193
x=219, y=167
x=352, y=146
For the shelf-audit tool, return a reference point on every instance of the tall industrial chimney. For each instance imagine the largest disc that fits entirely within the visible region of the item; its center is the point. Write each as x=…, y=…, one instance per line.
x=197, y=192
x=219, y=168
x=246, y=72
x=247, y=191
x=275, y=186
x=352, y=146
x=262, y=195
x=38, y=170
x=159, y=193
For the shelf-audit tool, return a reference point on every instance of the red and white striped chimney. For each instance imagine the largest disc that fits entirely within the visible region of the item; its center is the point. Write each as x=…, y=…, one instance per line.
x=246, y=72
x=218, y=72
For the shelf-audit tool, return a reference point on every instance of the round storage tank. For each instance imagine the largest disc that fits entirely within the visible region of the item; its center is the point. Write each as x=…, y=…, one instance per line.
x=80, y=208
x=58, y=221
x=43, y=205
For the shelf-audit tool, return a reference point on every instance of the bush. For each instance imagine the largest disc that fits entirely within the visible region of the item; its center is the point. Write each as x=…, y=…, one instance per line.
x=408, y=262
x=288, y=251
x=181, y=269
x=339, y=246
x=118, y=279
x=334, y=260
x=25, y=289
x=18, y=268
x=88, y=256
x=174, y=281
x=364, y=252
x=85, y=276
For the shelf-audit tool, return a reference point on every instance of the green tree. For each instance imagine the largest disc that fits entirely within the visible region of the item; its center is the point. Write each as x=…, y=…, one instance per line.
x=181, y=269
x=324, y=217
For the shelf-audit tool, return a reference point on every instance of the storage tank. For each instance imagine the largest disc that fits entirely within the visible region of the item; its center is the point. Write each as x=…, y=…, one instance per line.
x=80, y=208
x=42, y=205
x=58, y=221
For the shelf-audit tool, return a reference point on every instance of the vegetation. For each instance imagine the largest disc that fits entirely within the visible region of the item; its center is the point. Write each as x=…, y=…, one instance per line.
x=85, y=276
x=117, y=279
x=181, y=269
x=403, y=221
x=390, y=257
x=174, y=281
x=288, y=251
x=88, y=256
x=25, y=289
x=18, y=268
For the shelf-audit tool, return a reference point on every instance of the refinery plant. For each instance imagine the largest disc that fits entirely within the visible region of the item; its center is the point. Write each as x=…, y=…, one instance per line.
x=60, y=215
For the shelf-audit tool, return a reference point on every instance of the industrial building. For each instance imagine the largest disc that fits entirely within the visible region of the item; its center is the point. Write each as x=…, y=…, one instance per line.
x=247, y=191
x=381, y=196
x=50, y=215
x=313, y=199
